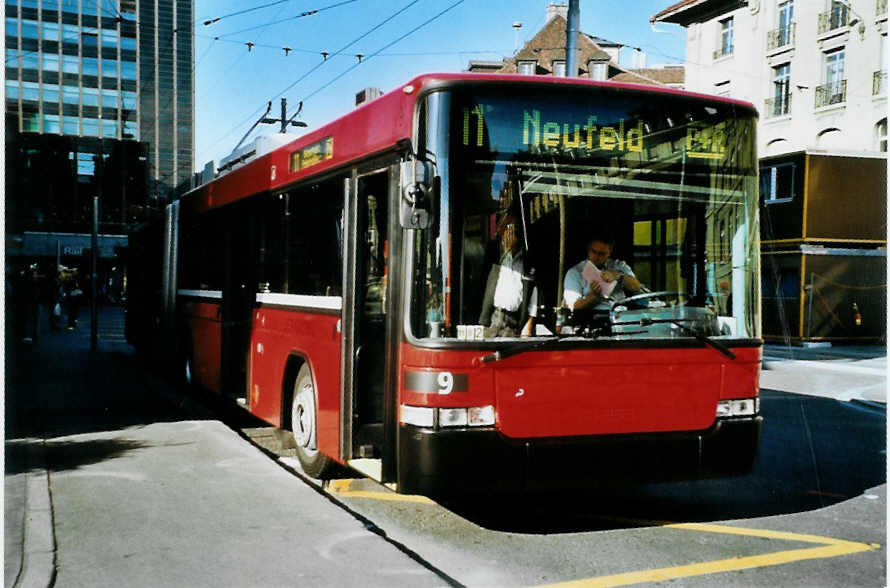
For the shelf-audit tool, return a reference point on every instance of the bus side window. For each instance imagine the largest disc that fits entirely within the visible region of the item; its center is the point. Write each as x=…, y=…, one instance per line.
x=273, y=229
x=314, y=242
x=375, y=243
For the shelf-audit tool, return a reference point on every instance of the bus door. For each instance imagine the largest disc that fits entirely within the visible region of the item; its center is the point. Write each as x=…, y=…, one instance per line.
x=239, y=248
x=366, y=408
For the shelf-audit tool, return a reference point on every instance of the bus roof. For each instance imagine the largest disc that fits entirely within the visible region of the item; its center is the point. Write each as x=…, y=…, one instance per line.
x=373, y=128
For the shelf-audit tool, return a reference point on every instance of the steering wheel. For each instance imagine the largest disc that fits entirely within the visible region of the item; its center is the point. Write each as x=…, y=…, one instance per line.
x=648, y=295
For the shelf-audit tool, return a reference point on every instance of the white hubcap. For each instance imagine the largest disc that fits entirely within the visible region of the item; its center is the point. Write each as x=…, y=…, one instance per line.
x=303, y=416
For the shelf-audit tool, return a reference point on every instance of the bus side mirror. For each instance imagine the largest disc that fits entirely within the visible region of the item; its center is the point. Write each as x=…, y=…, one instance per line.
x=416, y=182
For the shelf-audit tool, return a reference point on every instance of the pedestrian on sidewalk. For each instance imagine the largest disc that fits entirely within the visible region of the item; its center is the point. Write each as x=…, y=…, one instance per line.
x=73, y=296
x=55, y=295
x=24, y=308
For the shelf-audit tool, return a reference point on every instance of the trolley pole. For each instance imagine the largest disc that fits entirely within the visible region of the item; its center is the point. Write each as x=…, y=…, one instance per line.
x=572, y=24
x=285, y=122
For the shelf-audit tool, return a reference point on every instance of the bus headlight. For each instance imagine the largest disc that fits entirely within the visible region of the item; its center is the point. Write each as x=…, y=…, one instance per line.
x=419, y=416
x=452, y=417
x=481, y=416
x=738, y=407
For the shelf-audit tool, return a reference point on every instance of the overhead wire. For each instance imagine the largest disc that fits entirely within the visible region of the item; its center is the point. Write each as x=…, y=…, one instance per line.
x=212, y=20
x=384, y=48
x=316, y=67
x=290, y=18
x=332, y=54
x=252, y=114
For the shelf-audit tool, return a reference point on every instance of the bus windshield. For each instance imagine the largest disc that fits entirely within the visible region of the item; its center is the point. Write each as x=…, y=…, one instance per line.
x=592, y=213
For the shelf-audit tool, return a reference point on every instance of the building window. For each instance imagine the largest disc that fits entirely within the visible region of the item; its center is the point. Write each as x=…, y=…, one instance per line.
x=109, y=68
x=128, y=100
x=526, y=67
x=70, y=95
x=109, y=128
x=51, y=93
x=90, y=97
x=90, y=66
x=881, y=135
x=70, y=34
x=131, y=130
x=599, y=70
x=70, y=64
x=29, y=60
x=783, y=35
x=51, y=123
x=559, y=68
x=109, y=38
x=90, y=128
x=725, y=43
x=50, y=31
x=29, y=29
x=879, y=79
x=834, y=90
x=777, y=182
x=838, y=16
x=129, y=70
x=86, y=162
x=70, y=126
x=780, y=104
x=50, y=62
x=109, y=98
x=30, y=91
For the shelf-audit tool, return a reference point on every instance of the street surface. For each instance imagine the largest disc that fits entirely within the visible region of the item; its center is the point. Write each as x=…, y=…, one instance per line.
x=114, y=477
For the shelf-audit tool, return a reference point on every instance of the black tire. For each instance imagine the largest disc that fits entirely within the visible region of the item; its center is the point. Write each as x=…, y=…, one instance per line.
x=304, y=427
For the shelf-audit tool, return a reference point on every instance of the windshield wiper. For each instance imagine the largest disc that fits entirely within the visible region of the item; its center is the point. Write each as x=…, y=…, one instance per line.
x=703, y=338
x=516, y=349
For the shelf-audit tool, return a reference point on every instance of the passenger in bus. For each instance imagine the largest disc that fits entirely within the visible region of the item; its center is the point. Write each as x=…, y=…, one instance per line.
x=599, y=279
x=509, y=306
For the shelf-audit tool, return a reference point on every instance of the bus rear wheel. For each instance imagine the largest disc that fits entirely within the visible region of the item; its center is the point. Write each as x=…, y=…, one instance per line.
x=304, y=424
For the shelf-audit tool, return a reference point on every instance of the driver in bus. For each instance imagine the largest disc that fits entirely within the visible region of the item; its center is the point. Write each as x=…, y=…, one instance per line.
x=510, y=304
x=599, y=279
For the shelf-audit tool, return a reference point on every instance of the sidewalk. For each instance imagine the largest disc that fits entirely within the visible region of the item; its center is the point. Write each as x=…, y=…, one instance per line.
x=113, y=479
x=845, y=373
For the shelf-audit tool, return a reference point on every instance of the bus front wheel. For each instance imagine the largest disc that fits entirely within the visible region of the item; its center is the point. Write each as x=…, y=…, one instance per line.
x=304, y=426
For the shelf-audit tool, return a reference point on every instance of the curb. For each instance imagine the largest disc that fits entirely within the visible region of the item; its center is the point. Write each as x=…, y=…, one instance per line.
x=39, y=543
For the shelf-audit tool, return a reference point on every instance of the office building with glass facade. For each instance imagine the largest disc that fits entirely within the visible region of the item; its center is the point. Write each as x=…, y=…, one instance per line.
x=99, y=99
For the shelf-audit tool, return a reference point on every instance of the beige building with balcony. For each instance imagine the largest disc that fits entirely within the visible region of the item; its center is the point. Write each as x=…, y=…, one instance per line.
x=815, y=69
x=817, y=72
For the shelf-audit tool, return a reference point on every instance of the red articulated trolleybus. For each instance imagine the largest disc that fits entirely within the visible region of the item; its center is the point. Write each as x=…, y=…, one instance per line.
x=342, y=285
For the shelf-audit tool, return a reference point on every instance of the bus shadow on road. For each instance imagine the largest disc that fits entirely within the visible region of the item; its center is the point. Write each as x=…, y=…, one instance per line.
x=814, y=452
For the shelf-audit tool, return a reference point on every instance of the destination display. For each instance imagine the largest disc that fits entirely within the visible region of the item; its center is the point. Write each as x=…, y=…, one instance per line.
x=585, y=129
x=312, y=154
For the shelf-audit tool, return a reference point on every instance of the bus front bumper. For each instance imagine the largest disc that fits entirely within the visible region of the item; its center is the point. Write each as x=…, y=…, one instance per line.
x=468, y=460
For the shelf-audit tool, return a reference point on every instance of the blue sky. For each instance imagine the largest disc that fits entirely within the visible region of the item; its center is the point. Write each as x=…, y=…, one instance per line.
x=233, y=84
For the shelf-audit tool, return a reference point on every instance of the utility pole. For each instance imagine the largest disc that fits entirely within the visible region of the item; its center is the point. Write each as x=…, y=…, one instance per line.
x=99, y=174
x=572, y=24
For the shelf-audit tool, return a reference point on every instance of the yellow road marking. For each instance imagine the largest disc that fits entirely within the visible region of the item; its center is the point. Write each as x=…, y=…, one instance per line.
x=341, y=488
x=829, y=547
